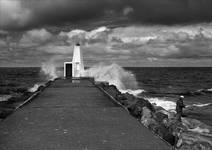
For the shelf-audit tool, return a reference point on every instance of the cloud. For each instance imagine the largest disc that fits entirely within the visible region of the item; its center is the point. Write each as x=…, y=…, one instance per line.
x=94, y=36
x=12, y=13
x=35, y=37
x=137, y=44
x=21, y=14
x=2, y=43
x=176, y=42
x=56, y=49
x=127, y=10
x=171, y=11
x=2, y=32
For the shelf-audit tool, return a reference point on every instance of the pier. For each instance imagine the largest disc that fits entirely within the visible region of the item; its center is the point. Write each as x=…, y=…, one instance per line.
x=75, y=115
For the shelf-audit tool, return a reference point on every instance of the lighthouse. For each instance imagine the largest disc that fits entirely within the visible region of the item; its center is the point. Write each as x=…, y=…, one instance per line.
x=75, y=68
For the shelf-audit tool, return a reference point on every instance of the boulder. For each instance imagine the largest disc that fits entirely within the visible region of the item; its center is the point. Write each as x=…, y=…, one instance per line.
x=121, y=97
x=159, y=116
x=144, y=103
x=147, y=118
x=135, y=110
x=113, y=91
x=41, y=88
x=125, y=103
x=137, y=105
x=158, y=108
x=129, y=97
x=150, y=123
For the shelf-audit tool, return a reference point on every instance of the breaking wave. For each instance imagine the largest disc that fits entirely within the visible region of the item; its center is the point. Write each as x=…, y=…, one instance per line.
x=202, y=105
x=196, y=126
x=170, y=105
x=4, y=97
x=133, y=92
x=35, y=87
x=209, y=90
x=114, y=74
x=162, y=102
x=49, y=69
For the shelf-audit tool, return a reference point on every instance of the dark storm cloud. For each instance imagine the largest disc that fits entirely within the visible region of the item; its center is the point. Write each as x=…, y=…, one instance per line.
x=22, y=14
x=171, y=11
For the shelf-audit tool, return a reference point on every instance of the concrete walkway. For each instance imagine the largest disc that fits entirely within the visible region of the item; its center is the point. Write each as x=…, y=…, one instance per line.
x=75, y=116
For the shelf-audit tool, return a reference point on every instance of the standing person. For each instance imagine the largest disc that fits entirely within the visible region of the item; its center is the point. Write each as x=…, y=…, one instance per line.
x=179, y=108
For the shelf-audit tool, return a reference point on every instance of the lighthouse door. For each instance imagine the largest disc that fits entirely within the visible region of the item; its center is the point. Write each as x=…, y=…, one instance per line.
x=68, y=72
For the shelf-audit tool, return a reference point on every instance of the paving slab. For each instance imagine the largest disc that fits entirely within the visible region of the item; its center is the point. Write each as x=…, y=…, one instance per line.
x=75, y=115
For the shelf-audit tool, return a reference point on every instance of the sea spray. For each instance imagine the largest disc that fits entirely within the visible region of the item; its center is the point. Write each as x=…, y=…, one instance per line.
x=35, y=87
x=4, y=97
x=114, y=74
x=49, y=69
x=162, y=102
x=133, y=92
x=209, y=90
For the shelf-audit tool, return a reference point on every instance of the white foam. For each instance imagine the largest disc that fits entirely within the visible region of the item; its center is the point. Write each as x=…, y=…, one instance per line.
x=210, y=90
x=4, y=98
x=202, y=105
x=162, y=102
x=34, y=88
x=200, y=130
x=114, y=75
x=133, y=92
x=49, y=69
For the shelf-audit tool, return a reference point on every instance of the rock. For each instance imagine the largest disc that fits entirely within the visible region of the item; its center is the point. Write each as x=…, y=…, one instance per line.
x=150, y=123
x=114, y=88
x=41, y=88
x=135, y=110
x=129, y=97
x=171, y=115
x=164, y=132
x=104, y=85
x=136, y=107
x=158, y=108
x=113, y=91
x=125, y=103
x=121, y=97
x=159, y=116
x=146, y=113
x=48, y=83
x=144, y=103
x=147, y=118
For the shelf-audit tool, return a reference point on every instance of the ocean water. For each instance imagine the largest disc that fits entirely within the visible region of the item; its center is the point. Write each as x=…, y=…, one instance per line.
x=163, y=86
x=14, y=81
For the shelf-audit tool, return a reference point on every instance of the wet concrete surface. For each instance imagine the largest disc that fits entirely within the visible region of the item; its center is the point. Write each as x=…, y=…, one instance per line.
x=75, y=115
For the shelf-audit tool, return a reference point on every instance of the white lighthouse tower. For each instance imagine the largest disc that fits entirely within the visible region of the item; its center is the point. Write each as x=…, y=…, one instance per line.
x=75, y=68
x=77, y=62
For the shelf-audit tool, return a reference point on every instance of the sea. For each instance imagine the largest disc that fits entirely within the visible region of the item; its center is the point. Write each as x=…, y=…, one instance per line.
x=164, y=86
x=161, y=86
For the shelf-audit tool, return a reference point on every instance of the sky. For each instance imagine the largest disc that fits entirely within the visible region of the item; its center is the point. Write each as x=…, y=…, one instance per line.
x=135, y=33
